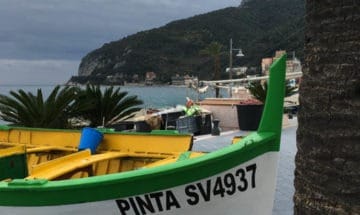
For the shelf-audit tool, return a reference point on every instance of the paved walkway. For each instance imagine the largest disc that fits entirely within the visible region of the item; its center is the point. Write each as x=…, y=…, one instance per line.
x=283, y=204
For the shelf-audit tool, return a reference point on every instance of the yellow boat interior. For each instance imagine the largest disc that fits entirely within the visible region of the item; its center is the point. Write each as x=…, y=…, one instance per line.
x=54, y=154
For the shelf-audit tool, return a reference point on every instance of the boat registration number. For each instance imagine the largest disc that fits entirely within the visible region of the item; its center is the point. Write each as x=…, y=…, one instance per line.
x=192, y=194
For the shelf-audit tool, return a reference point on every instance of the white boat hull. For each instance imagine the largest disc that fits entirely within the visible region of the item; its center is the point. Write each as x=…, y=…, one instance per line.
x=246, y=189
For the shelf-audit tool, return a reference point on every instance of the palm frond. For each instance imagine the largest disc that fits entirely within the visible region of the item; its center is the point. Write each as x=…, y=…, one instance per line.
x=27, y=109
x=259, y=90
x=109, y=105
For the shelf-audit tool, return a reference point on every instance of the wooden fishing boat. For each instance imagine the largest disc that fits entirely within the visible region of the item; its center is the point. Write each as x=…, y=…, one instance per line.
x=143, y=173
x=55, y=154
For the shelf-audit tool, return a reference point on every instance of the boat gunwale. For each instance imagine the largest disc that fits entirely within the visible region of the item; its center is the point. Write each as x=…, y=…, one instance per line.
x=156, y=133
x=23, y=192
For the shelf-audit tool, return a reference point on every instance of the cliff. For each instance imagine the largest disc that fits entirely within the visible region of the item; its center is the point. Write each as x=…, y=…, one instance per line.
x=259, y=27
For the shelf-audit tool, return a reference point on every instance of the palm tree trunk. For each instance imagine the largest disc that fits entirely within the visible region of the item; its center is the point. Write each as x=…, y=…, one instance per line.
x=327, y=174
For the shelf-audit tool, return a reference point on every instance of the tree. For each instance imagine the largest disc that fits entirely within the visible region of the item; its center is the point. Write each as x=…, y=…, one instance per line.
x=27, y=109
x=327, y=174
x=259, y=90
x=214, y=50
x=109, y=106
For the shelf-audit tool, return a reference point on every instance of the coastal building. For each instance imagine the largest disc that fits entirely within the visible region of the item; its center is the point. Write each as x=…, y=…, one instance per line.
x=186, y=80
x=116, y=79
x=237, y=70
x=135, y=78
x=177, y=80
x=292, y=65
x=265, y=65
x=150, y=78
x=190, y=81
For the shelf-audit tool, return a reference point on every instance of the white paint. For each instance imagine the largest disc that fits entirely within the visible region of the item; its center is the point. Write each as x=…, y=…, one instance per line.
x=256, y=201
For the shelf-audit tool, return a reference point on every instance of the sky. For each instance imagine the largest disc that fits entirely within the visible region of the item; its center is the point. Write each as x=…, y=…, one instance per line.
x=43, y=41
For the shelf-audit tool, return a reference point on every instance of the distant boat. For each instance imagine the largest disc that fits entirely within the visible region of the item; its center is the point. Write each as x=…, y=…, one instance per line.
x=44, y=173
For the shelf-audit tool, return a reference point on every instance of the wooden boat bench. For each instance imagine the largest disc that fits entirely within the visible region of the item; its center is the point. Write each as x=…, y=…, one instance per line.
x=35, y=154
x=31, y=148
x=11, y=150
x=49, y=148
x=40, y=154
x=81, y=160
x=172, y=159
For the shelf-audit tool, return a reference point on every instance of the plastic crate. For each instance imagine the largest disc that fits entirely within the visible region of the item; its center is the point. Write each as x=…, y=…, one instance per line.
x=188, y=124
x=169, y=119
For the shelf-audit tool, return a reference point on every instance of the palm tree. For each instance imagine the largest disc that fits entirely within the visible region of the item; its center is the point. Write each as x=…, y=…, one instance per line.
x=109, y=106
x=259, y=90
x=327, y=174
x=214, y=50
x=27, y=109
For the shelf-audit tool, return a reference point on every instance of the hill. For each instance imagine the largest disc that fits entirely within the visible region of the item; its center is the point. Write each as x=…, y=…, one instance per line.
x=259, y=27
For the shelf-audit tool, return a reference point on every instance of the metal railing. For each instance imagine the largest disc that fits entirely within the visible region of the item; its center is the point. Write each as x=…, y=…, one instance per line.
x=242, y=80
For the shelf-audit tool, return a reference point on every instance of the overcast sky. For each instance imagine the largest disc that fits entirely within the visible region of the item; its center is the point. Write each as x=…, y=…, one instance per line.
x=43, y=41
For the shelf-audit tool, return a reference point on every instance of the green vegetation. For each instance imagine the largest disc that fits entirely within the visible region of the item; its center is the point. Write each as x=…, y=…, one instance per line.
x=258, y=27
x=259, y=90
x=108, y=106
x=100, y=107
x=27, y=109
x=214, y=51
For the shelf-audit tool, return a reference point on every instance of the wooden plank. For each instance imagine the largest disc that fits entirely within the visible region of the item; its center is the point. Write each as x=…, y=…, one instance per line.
x=12, y=150
x=49, y=148
x=58, y=167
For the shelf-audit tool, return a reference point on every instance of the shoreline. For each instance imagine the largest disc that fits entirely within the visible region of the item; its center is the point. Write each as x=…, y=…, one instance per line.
x=121, y=85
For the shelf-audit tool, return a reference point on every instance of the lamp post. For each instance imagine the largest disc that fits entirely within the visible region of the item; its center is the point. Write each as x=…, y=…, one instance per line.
x=239, y=54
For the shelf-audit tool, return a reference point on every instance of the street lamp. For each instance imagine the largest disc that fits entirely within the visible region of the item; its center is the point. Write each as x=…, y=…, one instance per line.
x=239, y=54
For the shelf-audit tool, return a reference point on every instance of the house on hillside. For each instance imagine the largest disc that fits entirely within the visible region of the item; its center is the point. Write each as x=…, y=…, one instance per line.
x=116, y=79
x=135, y=78
x=265, y=65
x=150, y=78
x=292, y=65
x=186, y=80
x=190, y=80
x=177, y=80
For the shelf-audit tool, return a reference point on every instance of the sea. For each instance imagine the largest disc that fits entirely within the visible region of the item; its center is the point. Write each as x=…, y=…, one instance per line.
x=153, y=97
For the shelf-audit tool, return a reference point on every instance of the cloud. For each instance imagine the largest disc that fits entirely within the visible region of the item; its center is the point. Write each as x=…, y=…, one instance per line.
x=42, y=41
x=36, y=72
x=67, y=29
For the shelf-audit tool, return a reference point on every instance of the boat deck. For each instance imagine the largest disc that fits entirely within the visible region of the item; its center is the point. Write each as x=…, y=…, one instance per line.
x=283, y=204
